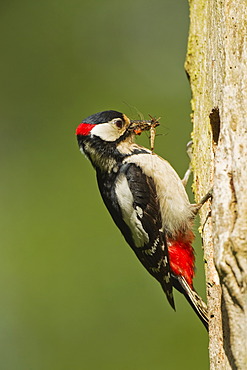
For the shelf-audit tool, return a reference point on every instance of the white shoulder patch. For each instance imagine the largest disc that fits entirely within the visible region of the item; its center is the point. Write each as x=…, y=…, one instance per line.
x=129, y=213
x=175, y=207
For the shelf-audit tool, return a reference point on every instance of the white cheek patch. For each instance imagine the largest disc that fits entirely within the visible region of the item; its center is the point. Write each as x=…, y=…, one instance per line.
x=129, y=213
x=106, y=131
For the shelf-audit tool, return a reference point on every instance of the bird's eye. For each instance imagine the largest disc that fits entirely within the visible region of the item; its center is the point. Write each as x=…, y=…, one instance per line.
x=119, y=123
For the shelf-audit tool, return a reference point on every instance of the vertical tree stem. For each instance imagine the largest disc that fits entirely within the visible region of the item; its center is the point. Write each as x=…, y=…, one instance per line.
x=216, y=64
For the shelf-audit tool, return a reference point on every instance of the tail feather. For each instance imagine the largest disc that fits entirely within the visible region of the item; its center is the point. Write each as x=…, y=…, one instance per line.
x=196, y=302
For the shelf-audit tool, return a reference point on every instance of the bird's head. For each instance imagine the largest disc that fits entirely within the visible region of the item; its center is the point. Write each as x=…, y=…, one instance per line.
x=109, y=126
x=106, y=135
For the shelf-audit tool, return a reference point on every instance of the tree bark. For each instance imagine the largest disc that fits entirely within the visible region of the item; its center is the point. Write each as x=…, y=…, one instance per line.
x=216, y=64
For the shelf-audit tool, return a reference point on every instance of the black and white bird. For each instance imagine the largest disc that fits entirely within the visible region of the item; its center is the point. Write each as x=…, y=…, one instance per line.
x=147, y=201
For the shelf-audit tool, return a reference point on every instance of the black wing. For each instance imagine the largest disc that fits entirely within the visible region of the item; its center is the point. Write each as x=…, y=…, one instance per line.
x=153, y=252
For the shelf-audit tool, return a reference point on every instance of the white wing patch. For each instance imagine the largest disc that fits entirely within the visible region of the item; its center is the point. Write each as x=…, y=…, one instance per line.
x=176, y=210
x=152, y=250
x=129, y=213
x=139, y=211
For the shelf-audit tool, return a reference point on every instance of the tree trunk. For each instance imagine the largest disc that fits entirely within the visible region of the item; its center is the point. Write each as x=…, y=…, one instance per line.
x=217, y=67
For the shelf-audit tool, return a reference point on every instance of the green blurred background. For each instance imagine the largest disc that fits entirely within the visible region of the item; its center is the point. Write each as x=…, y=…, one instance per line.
x=73, y=295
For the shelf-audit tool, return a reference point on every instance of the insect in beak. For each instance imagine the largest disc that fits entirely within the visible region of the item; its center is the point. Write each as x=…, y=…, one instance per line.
x=138, y=126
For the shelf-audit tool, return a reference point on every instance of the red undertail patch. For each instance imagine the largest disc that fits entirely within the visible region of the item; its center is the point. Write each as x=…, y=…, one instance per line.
x=182, y=259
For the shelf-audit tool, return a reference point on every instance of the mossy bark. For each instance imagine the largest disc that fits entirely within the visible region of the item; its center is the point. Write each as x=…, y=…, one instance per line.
x=216, y=64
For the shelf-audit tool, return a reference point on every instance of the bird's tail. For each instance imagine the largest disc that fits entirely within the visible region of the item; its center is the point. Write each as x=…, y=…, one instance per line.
x=196, y=302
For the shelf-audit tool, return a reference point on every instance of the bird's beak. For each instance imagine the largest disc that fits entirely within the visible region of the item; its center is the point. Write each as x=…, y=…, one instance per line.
x=138, y=126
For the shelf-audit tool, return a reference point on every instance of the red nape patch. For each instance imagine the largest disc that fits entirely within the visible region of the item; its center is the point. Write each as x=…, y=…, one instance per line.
x=182, y=259
x=84, y=129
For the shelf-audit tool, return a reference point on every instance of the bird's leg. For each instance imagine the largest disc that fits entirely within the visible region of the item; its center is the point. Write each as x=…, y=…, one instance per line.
x=186, y=176
x=185, y=179
x=189, y=170
x=204, y=199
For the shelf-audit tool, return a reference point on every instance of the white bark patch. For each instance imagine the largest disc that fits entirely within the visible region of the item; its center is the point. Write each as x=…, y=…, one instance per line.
x=129, y=213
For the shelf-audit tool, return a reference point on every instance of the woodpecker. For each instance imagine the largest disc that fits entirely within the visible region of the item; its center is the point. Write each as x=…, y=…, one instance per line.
x=147, y=201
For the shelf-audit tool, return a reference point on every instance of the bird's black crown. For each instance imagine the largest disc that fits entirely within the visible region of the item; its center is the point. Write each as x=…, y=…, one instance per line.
x=103, y=117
